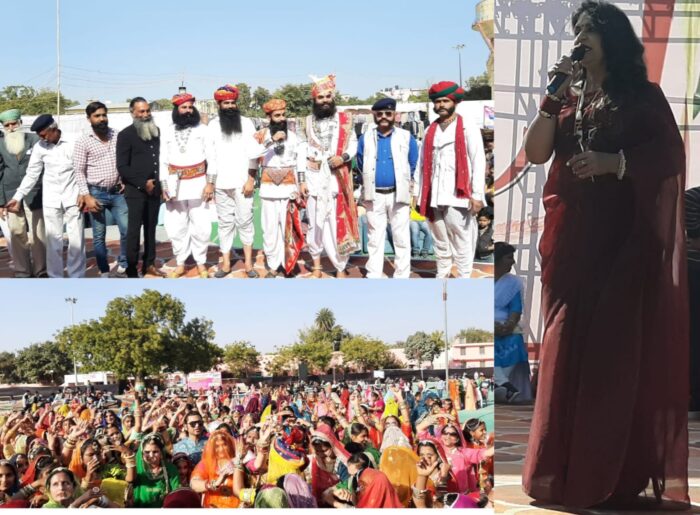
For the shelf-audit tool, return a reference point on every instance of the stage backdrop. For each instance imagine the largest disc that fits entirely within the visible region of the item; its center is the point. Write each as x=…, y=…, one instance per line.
x=530, y=37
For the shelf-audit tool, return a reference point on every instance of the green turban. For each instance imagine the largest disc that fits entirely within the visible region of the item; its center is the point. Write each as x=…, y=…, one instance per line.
x=11, y=115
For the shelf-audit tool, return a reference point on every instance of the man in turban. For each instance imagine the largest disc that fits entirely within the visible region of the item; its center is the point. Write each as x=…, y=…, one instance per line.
x=331, y=145
x=24, y=230
x=60, y=197
x=387, y=156
x=187, y=157
x=282, y=186
x=236, y=168
x=451, y=182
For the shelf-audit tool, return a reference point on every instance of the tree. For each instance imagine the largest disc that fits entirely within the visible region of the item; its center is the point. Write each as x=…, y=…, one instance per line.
x=31, y=101
x=260, y=98
x=366, y=353
x=478, y=87
x=161, y=104
x=43, y=363
x=422, y=97
x=298, y=98
x=475, y=335
x=241, y=357
x=325, y=319
x=8, y=368
x=245, y=99
x=142, y=335
x=422, y=347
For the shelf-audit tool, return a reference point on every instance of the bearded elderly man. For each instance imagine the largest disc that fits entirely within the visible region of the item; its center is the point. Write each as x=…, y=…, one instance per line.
x=332, y=212
x=282, y=187
x=138, y=148
x=451, y=182
x=186, y=154
x=25, y=229
x=236, y=167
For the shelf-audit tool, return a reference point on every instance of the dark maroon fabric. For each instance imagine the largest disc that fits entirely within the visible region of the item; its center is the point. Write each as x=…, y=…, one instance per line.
x=611, y=412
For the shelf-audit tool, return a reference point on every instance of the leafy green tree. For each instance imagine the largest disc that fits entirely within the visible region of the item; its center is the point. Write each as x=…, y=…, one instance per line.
x=366, y=353
x=245, y=99
x=325, y=319
x=475, y=335
x=8, y=368
x=43, y=363
x=298, y=98
x=422, y=347
x=423, y=97
x=241, y=358
x=142, y=335
x=32, y=101
x=162, y=104
x=260, y=97
x=478, y=87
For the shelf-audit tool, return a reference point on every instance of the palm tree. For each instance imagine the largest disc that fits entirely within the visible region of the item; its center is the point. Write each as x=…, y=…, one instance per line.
x=325, y=320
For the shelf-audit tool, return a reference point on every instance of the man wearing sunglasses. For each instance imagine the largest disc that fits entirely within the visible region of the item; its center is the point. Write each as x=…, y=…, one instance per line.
x=28, y=247
x=387, y=156
x=193, y=444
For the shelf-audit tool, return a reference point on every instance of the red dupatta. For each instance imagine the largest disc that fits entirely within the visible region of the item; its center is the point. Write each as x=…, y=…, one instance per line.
x=375, y=491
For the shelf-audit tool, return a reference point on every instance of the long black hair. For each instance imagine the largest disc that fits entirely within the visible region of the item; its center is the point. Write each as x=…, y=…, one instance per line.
x=624, y=52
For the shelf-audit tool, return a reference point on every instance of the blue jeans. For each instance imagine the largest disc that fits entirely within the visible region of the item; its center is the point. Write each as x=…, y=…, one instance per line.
x=416, y=229
x=116, y=205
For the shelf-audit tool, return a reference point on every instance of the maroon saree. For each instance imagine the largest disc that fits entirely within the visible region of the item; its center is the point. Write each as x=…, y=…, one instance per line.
x=611, y=414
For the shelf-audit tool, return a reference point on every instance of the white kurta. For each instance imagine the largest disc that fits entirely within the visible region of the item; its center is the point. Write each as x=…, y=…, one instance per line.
x=60, y=204
x=235, y=155
x=275, y=198
x=323, y=188
x=454, y=229
x=187, y=220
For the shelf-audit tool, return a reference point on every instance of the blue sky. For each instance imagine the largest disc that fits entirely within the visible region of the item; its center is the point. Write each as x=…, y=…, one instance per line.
x=117, y=50
x=266, y=313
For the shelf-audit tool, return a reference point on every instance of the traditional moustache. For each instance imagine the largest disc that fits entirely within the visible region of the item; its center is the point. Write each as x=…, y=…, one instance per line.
x=146, y=129
x=324, y=110
x=230, y=121
x=185, y=120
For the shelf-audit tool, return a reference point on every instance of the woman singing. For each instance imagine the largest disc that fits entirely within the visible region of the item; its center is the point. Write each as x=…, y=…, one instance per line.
x=610, y=419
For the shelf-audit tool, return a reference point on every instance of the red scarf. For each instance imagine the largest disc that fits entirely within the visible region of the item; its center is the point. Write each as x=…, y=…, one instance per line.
x=293, y=235
x=347, y=226
x=463, y=184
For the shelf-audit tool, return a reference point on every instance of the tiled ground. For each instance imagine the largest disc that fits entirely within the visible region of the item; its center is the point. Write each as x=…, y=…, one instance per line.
x=512, y=428
x=419, y=267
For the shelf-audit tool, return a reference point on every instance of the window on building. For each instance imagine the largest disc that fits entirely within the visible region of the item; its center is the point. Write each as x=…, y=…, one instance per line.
x=463, y=351
x=482, y=351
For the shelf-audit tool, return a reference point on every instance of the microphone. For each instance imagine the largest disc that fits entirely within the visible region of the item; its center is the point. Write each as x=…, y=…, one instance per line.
x=576, y=55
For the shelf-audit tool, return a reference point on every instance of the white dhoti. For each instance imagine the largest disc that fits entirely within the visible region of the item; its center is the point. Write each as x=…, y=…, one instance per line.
x=323, y=237
x=188, y=225
x=235, y=213
x=54, y=218
x=274, y=221
x=455, y=235
x=381, y=210
x=28, y=241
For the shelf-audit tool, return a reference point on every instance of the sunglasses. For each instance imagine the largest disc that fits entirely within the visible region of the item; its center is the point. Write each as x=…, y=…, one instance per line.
x=385, y=114
x=195, y=423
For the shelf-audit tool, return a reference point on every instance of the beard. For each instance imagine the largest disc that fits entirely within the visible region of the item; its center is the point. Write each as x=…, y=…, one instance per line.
x=279, y=126
x=101, y=129
x=146, y=130
x=14, y=141
x=185, y=120
x=230, y=121
x=324, y=110
x=450, y=111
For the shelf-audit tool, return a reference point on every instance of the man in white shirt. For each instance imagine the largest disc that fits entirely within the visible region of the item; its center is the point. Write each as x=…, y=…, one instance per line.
x=283, y=179
x=236, y=167
x=331, y=208
x=61, y=202
x=186, y=155
x=450, y=184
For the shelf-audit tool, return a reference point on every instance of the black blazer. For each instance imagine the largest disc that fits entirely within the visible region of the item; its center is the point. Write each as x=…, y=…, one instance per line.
x=137, y=162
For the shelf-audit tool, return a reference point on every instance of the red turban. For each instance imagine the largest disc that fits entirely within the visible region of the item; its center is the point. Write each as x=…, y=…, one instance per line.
x=276, y=104
x=227, y=92
x=446, y=89
x=181, y=98
x=322, y=85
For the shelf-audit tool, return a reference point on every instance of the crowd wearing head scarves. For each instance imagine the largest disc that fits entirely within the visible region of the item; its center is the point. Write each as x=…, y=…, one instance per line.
x=302, y=445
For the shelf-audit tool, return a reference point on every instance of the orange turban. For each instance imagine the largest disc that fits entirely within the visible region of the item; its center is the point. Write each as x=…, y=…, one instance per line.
x=181, y=98
x=276, y=104
x=327, y=83
x=226, y=92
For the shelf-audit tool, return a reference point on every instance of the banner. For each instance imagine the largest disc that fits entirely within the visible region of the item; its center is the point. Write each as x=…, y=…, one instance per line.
x=203, y=380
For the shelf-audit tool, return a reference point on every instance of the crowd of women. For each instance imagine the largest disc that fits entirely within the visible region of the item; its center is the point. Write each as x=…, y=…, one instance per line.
x=301, y=446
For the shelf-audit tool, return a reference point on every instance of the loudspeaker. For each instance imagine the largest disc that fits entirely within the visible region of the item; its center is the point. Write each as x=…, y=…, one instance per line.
x=303, y=371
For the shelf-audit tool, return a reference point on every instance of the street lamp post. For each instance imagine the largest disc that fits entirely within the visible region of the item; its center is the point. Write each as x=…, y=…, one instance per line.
x=447, y=345
x=72, y=301
x=459, y=54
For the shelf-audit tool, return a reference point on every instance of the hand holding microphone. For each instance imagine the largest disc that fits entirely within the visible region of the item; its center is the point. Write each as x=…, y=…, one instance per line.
x=562, y=72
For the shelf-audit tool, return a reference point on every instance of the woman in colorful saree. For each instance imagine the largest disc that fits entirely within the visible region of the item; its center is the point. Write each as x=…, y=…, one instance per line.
x=155, y=476
x=371, y=488
x=220, y=473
